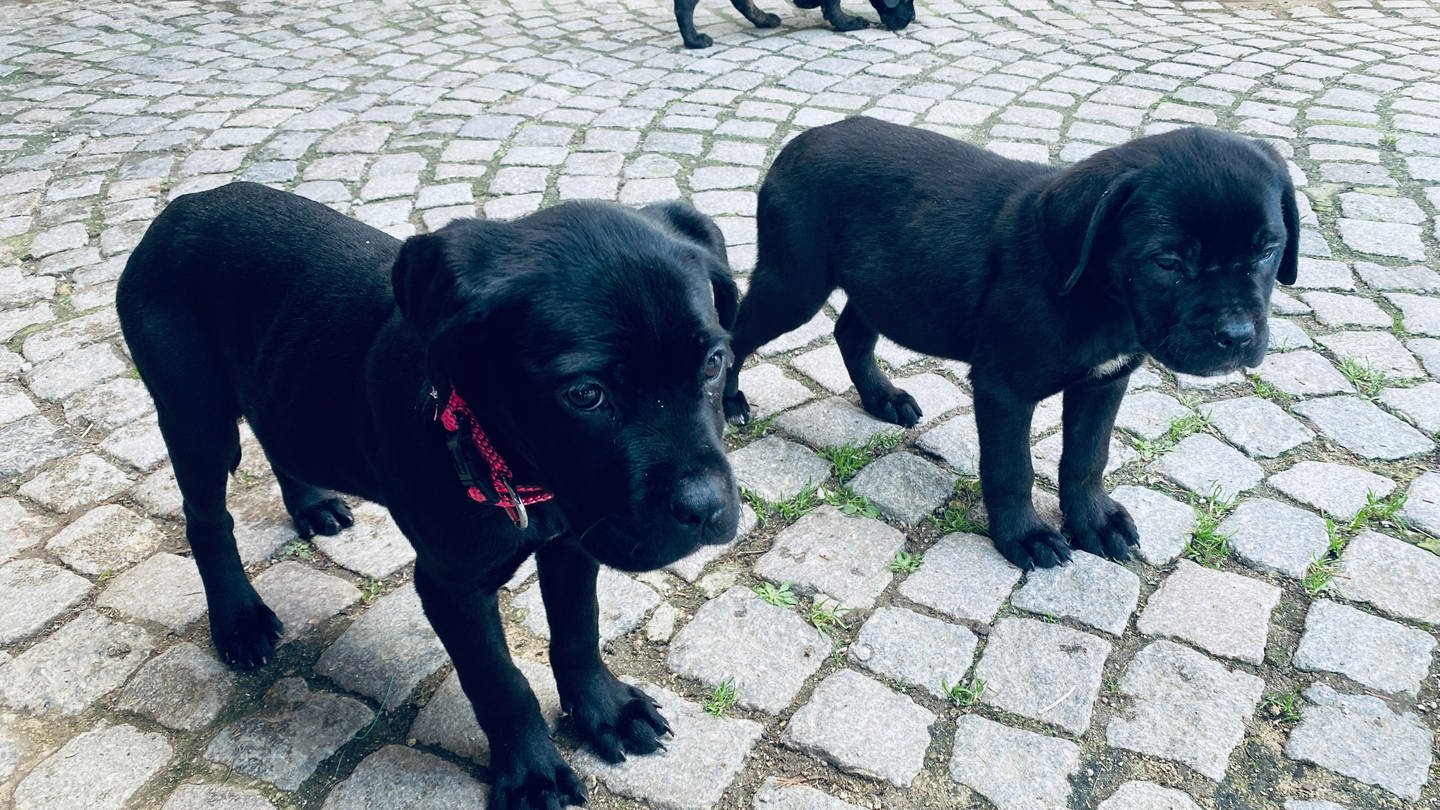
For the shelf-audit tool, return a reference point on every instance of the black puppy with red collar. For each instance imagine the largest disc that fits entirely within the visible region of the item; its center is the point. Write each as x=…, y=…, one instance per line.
x=894, y=15
x=569, y=366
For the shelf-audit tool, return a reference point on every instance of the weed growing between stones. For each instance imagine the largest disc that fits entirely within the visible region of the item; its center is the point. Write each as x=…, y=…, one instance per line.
x=1207, y=545
x=963, y=694
x=722, y=699
x=782, y=596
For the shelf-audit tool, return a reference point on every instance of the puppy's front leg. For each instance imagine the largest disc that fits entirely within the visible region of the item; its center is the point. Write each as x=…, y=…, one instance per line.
x=1094, y=520
x=527, y=770
x=1006, y=478
x=613, y=717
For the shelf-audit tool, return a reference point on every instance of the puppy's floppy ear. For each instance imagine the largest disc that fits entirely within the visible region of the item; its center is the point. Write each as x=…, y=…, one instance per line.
x=442, y=287
x=1078, y=209
x=684, y=222
x=1290, y=262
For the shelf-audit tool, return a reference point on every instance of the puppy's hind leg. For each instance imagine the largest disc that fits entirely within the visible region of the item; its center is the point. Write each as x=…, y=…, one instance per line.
x=685, y=19
x=758, y=18
x=775, y=304
x=839, y=19
x=880, y=397
x=197, y=413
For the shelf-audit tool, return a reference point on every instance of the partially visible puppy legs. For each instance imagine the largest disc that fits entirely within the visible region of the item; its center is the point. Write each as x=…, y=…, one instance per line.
x=613, y=717
x=1094, y=521
x=1006, y=478
x=777, y=302
x=685, y=18
x=881, y=398
x=758, y=18
x=837, y=17
x=526, y=768
x=314, y=510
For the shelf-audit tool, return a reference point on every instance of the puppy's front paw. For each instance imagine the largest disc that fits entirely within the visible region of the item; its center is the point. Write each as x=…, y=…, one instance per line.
x=1102, y=527
x=698, y=41
x=534, y=777
x=616, y=719
x=328, y=517
x=1038, y=548
x=848, y=23
x=899, y=408
x=245, y=633
x=768, y=21
x=737, y=409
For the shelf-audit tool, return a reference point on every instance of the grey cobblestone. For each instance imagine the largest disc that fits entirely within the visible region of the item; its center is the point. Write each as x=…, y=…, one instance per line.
x=1013, y=768
x=914, y=649
x=1223, y=613
x=1273, y=536
x=963, y=577
x=1337, y=490
x=1208, y=467
x=293, y=731
x=1089, y=589
x=1394, y=576
x=385, y=652
x=845, y=558
x=1043, y=671
x=164, y=589
x=1147, y=796
x=107, y=538
x=397, y=776
x=100, y=769
x=75, y=666
x=32, y=594
x=1164, y=523
x=1364, y=429
x=1369, y=650
x=864, y=727
x=183, y=688
x=448, y=718
x=1259, y=427
x=1361, y=738
x=776, y=469
x=904, y=486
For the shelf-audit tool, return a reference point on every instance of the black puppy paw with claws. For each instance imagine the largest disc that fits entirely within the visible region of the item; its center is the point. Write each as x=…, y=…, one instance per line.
x=245, y=633
x=1038, y=548
x=534, y=780
x=896, y=407
x=617, y=719
x=1103, y=527
x=737, y=409
x=328, y=517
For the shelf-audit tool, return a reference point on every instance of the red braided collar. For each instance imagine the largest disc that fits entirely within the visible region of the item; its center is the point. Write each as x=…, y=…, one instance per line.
x=459, y=420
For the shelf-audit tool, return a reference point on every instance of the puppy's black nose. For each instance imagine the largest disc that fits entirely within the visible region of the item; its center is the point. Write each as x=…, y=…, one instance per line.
x=1235, y=333
x=705, y=505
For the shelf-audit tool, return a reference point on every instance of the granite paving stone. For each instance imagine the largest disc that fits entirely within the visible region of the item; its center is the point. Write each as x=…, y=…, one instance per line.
x=1164, y=523
x=1088, y=589
x=832, y=422
x=1410, y=278
x=292, y=731
x=1390, y=574
x=1013, y=768
x=138, y=444
x=1360, y=737
x=864, y=727
x=184, y=688
x=694, y=769
x=1337, y=490
x=107, y=538
x=963, y=577
x=624, y=603
x=1273, y=536
x=1149, y=413
x=99, y=769
x=216, y=797
x=1422, y=504
x=1379, y=351
x=1420, y=314
x=1303, y=374
x=770, y=391
x=1223, y=613
x=1286, y=335
x=773, y=796
x=164, y=589
x=1364, y=429
x=1259, y=427
x=1045, y=456
x=935, y=395
x=75, y=482
x=1147, y=796
x=372, y=547
x=825, y=366
x=1428, y=350
x=1209, y=468
x=846, y=558
x=1183, y=707
x=766, y=651
x=904, y=486
x=33, y=593
x=69, y=670
x=777, y=470
x=302, y=597
x=1043, y=671
x=1383, y=238
x=914, y=649
x=396, y=776
x=386, y=652
x=1419, y=405
x=956, y=441
x=448, y=718
x=1371, y=651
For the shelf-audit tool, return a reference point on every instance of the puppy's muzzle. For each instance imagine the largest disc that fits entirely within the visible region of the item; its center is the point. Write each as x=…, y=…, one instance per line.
x=706, y=508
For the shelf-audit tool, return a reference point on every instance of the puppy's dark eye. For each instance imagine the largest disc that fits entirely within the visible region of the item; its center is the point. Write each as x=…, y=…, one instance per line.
x=585, y=396
x=1266, y=256
x=714, y=365
x=1170, y=264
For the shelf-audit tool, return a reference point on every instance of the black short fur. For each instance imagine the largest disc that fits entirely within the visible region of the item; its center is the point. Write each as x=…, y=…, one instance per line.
x=894, y=15
x=1044, y=279
x=585, y=337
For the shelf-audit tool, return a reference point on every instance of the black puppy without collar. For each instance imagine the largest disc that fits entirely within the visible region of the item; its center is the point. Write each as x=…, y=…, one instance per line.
x=1044, y=279
x=894, y=15
x=586, y=340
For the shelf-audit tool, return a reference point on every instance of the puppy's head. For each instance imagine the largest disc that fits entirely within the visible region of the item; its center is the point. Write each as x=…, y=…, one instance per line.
x=895, y=14
x=1189, y=230
x=591, y=341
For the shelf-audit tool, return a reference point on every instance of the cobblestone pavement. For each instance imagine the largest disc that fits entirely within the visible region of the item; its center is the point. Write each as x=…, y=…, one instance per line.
x=1274, y=648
